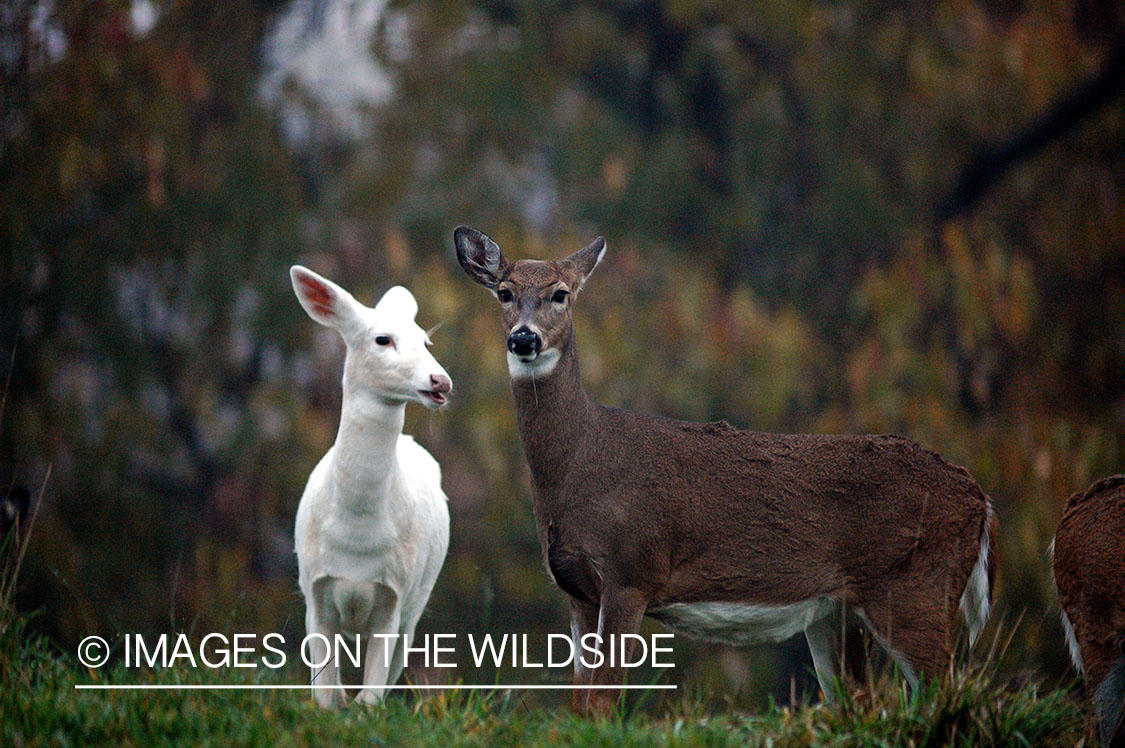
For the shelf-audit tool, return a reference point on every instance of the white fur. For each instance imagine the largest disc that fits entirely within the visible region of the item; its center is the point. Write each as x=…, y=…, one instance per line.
x=1072, y=644
x=1068, y=628
x=975, y=600
x=538, y=368
x=597, y=261
x=373, y=526
x=742, y=623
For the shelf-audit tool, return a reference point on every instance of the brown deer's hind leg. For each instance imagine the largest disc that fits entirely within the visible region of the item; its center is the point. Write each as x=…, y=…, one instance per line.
x=1109, y=706
x=838, y=648
x=914, y=625
x=1103, y=662
x=823, y=637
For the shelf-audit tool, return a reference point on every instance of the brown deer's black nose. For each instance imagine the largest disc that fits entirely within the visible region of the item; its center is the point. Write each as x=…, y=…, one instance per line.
x=523, y=342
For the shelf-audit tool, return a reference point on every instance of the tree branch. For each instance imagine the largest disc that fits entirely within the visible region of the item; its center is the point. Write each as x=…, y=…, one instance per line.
x=993, y=162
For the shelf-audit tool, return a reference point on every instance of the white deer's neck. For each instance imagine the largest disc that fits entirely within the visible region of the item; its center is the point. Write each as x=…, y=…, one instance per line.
x=365, y=457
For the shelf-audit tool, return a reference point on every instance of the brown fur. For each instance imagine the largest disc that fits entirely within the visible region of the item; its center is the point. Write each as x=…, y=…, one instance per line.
x=1089, y=566
x=637, y=511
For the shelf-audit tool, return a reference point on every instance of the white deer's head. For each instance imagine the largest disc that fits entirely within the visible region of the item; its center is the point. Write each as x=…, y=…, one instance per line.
x=387, y=353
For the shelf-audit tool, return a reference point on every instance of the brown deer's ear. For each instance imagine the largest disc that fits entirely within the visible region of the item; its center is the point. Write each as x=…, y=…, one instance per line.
x=479, y=256
x=583, y=262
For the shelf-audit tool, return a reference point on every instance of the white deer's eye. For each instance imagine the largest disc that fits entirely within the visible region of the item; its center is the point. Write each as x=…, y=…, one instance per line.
x=382, y=340
x=504, y=295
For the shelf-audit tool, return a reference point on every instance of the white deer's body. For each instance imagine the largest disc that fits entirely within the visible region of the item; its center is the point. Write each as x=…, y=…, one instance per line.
x=372, y=527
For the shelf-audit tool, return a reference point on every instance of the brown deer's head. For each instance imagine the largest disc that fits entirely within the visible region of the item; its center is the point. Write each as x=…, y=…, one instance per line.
x=535, y=297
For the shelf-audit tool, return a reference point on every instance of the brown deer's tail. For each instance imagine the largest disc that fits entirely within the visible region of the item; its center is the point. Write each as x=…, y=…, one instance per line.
x=976, y=600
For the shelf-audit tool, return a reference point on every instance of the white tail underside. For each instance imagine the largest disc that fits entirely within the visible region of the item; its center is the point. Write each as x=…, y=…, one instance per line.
x=975, y=600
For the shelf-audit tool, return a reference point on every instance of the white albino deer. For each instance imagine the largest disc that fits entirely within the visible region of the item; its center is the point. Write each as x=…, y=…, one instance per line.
x=373, y=525
x=726, y=534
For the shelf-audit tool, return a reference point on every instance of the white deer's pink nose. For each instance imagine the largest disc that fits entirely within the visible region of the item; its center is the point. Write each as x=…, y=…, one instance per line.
x=440, y=383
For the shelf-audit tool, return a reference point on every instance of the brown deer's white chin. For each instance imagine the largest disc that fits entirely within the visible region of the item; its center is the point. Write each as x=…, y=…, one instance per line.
x=535, y=366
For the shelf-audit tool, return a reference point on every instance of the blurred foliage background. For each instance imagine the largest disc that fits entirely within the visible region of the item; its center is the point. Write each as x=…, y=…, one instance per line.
x=830, y=217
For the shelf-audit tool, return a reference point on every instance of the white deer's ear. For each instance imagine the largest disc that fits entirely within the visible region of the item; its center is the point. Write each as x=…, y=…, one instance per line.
x=397, y=302
x=583, y=262
x=479, y=256
x=325, y=302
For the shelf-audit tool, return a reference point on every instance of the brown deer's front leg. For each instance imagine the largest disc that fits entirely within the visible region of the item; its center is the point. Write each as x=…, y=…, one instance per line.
x=620, y=613
x=583, y=620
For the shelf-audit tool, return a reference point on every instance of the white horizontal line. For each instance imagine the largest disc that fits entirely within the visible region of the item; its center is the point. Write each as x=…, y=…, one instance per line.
x=294, y=687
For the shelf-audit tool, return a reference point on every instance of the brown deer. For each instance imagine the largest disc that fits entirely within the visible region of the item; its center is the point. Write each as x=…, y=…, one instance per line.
x=1089, y=564
x=729, y=535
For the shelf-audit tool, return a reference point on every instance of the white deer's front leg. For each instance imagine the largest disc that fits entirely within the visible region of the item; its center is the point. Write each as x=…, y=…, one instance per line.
x=398, y=659
x=319, y=650
x=382, y=644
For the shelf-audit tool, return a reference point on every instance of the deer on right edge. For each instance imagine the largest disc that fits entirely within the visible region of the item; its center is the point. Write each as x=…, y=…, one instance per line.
x=725, y=534
x=1088, y=557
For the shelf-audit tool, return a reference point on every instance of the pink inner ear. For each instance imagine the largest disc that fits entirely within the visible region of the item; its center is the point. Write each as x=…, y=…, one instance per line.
x=317, y=294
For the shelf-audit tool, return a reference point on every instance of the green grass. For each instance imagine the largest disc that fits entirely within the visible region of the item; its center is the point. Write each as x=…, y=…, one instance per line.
x=40, y=707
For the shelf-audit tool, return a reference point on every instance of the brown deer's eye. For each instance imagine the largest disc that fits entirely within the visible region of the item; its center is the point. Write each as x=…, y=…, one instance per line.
x=559, y=297
x=382, y=340
x=504, y=295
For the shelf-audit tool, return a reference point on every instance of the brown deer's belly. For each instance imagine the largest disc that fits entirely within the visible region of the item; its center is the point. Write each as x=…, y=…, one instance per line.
x=743, y=623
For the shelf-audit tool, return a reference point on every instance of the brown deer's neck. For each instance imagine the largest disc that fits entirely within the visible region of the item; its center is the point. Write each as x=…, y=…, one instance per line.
x=553, y=415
